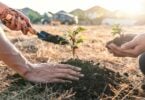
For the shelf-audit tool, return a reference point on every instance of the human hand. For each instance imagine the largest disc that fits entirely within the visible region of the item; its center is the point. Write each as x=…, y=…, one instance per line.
x=132, y=48
x=53, y=73
x=15, y=20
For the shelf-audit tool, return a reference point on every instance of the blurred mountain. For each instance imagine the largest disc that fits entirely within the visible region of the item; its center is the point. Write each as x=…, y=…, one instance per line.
x=77, y=12
x=93, y=15
x=80, y=13
x=97, y=12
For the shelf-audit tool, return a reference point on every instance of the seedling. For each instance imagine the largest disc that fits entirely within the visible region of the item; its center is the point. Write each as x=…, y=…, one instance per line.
x=116, y=30
x=120, y=37
x=75, y=39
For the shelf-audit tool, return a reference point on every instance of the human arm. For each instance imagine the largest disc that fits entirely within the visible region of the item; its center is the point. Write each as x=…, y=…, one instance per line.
x=41, y=72
x=45, y=72
x=133, y=48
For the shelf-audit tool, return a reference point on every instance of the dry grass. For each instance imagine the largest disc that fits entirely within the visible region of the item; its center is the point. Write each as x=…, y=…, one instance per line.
x=92, y=50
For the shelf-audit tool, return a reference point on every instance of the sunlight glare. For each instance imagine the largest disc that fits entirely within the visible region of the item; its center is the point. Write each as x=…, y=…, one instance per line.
x=128, y=6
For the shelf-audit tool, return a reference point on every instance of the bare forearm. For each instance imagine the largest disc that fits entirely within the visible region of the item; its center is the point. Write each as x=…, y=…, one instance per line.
x=11, y=56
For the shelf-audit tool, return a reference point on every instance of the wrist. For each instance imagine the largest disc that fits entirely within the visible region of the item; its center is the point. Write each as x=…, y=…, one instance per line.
x=24, y=69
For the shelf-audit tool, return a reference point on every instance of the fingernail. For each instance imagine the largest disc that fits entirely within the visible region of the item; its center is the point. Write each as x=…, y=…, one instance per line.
x=82, y=75
x=123, y=47
x=77, y=79
x=79, y=69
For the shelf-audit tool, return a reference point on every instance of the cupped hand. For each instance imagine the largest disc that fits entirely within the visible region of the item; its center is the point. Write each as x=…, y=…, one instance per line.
x=133, y=48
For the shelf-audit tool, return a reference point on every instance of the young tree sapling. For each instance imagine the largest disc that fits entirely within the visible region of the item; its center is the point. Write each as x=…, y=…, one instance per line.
x=75, y=38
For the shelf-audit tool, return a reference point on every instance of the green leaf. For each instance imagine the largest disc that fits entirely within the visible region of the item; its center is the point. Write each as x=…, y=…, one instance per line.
x=116, y=29
x=79, y=41
x=75, y=33
x=80, y=29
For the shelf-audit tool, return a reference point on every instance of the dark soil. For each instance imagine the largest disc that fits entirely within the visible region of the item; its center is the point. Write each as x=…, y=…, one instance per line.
x=122, y=39
x=99, y=83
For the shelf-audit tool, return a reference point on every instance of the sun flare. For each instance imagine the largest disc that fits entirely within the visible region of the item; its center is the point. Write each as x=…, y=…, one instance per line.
x=131, y=7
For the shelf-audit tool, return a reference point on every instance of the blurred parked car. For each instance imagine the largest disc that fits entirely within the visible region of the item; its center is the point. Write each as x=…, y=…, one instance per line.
x=61, y=16
x=47, y=18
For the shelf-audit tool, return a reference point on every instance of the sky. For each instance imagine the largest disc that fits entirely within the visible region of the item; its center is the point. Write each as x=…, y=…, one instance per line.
x=129, y=6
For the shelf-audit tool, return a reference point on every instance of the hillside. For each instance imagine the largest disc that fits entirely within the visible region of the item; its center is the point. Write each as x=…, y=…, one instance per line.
x=34, y=16
x=97, y=12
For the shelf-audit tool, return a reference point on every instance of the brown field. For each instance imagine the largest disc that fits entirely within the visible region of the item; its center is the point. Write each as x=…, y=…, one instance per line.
x=92, y=53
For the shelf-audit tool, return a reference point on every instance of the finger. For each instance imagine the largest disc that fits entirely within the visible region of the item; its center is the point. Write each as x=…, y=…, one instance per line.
x=114, y=47
x=26, y=19
x=60, y=81
x=119, y=55
x=63, y=66
x=18, y=24
x=128, y=45
x=13, y=22
x=24, y=27
x=44, y=81
x=110, y=45
x=70, y=71
x=24, y=30
x=109, y=50
x=28, y=23
x=69, y=67
x=65, y=76
x=117, y=51
x=134, y=52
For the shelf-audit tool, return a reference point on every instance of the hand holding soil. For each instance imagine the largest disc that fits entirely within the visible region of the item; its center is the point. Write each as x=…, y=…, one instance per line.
x=129, y=45
x=120, y=40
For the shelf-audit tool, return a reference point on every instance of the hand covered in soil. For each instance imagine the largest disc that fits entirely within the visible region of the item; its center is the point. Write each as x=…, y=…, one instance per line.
x=15, y=20
x=132, y=48
x=53, y=73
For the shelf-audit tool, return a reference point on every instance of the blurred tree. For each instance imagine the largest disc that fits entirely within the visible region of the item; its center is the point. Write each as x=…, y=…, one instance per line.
x=34, y=17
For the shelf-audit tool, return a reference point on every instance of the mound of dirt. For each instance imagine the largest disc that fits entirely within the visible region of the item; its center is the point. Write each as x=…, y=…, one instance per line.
x=99, y=83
